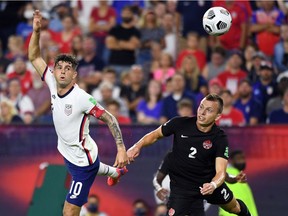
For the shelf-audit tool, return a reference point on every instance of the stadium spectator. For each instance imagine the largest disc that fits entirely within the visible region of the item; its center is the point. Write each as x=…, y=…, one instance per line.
x=22, y=103
x=230, y=116
x=280, y=116
x=149, y=108
x=9, y=18
x=24, y=28
x=15, y=47
x=282, y=4
x=8, y=113
x=192, y=45
x=102, y=19
x=50, y=53
x=4, y=62
x=113, y=107
x=231, y=77
x=91, y=64
x=58, y=12
x=236, y=37
x=160, y=9
x=254, y=72
x=150, y=32
x=215, y=86
x=249, y=52
x=247, y=104
x=185, y=108
x=187, y=20
x=140, y=208
x=122, y=41
x=40, y=96
x=216, y=65
x=108, y=74
x=69, y=31
x=165, y=69
x=161, y=210
x=266, y=23
x=149, y=67
x=169, y=108
x=168, y=24
x=241, y=190
x=135, y=91
x=276, y=102
x=106, y=90
x=281, y=50
x=76, y=47
x=191, y=71
x=20, y=72
x=92, y=207
x=266, y=87
x=47, y=34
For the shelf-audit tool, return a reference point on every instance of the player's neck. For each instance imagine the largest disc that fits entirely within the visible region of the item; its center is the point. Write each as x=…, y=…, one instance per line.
x=204, y=128
x=63, y=90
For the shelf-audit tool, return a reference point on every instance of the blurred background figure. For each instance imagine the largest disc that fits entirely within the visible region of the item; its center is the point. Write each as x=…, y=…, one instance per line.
x=185, y=108
x=8, y=113
x=280, y=116
x=92, y=207
x=241, y=190
x=149, y=108
x=281, y=50
x=230, y=116
x=113, y=107
x=24, y=28
x=215, y=86
x=140, y=208
x=161, y=210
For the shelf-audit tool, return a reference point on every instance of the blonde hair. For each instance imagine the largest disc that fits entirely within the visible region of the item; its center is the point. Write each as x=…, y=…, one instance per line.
x=12, y=111
x=195, y=71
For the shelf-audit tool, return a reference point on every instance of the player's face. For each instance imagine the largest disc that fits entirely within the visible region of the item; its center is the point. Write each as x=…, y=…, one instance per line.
x=64, y=74
x=207, y=112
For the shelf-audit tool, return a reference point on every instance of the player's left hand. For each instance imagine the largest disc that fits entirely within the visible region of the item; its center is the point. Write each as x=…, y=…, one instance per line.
x=121, y=158
x=241, y=177
x=207, y=189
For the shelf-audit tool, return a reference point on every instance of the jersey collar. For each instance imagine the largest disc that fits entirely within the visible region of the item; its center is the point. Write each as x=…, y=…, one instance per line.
x=62, y=96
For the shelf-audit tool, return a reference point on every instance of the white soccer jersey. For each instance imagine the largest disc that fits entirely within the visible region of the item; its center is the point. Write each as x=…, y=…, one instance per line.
x=71, y=113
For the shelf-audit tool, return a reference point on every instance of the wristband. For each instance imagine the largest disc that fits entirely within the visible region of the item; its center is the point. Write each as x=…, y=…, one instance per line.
x=214, y=184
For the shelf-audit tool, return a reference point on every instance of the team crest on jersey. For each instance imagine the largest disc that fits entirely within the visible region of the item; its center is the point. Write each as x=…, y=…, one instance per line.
x=171, y=212
x=207, y=144
x=68, y=109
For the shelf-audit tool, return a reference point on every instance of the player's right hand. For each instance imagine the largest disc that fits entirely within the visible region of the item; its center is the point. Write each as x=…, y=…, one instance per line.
x=133, y=152
x=162, y=194
x=37, y=17
x=241, y=177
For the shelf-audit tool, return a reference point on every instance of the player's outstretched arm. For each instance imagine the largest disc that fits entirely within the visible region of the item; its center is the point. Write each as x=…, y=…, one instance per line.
x=219, y=178
x=34, y=53
x=111, y=121
x=146, y=140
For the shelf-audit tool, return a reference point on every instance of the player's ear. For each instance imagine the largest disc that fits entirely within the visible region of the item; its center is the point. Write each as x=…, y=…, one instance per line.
x=218, y=117
x=75, y=74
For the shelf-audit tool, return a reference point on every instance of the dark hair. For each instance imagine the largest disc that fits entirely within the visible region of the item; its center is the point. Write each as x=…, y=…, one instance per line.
x=233, y=154
x=129, y=8
x=109, y=70
x=220, y=51
x=245, y=81
x=93, y=196
x=147, y=96
x=140, y=201
x=184, y=103
x=113, y=102
x=216, y=98
x=67, y=58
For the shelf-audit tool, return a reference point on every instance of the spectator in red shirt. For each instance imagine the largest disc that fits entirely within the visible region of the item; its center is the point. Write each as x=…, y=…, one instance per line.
x=69, y=31
x=102, y=19
x=230, y=116
x=21, y=73
x=231, y=77
x=236, y=37
x=192, y=49
x=266, y=23
x=113, y=107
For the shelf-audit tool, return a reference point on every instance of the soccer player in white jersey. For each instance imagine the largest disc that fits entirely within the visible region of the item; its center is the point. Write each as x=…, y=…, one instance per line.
x=71, y=108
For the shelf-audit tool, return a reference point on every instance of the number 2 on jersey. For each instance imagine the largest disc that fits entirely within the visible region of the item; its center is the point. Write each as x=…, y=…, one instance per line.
x=193, y=152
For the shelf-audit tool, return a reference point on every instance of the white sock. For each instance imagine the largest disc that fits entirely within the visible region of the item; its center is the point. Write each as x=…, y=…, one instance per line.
x=106, y=170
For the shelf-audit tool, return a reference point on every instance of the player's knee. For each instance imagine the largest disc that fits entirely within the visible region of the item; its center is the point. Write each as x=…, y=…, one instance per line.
x=70, y=211
x=235, y=208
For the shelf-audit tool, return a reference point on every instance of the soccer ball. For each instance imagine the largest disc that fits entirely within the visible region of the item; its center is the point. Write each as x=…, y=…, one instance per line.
x=217, y=21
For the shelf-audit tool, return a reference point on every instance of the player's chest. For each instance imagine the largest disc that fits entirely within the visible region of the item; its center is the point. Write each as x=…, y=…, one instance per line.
x=63, y=108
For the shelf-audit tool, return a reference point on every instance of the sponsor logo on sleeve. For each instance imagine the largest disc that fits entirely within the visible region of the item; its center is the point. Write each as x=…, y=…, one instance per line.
x=92, y=100
x=226, y=153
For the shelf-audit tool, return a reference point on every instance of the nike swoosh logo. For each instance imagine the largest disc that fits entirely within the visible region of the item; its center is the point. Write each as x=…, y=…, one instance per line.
x=182, y=136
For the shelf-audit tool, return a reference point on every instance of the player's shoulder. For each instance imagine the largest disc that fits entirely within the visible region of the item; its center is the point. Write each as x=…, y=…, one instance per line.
x=220, y=133
x=181, y=120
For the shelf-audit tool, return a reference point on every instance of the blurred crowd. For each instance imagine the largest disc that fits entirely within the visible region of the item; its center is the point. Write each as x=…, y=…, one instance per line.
x=145, y=60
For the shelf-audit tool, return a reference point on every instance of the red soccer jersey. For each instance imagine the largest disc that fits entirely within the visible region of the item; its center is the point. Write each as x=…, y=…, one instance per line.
x=231, y=39
x=26, y=80
x=198, y=54
x=65, y=46
x=102, y=20
x=234, y=118
x=231, y=81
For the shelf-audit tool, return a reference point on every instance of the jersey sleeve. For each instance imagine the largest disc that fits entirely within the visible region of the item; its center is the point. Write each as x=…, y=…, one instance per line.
x=49, y=78
x=90, y=106
x=222, y=145
x=170, y=126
